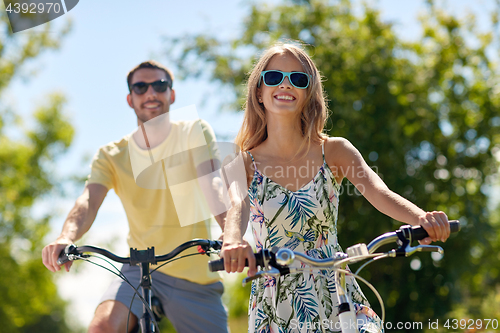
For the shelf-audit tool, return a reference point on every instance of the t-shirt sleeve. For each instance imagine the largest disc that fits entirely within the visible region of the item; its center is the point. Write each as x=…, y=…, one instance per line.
x=202, y=143
x=100, y=170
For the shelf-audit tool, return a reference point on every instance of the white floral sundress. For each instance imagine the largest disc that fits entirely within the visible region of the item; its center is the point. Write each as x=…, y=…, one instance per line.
x=304, y=221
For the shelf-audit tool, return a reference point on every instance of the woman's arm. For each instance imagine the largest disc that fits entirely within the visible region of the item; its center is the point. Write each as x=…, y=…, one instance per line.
x=349, y=163
x=235, y=250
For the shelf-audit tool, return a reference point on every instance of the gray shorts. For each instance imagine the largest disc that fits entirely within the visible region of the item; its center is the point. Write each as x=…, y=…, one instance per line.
x=189, y=306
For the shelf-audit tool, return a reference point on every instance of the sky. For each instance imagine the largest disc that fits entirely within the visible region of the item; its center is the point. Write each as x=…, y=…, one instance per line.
x=108, y=39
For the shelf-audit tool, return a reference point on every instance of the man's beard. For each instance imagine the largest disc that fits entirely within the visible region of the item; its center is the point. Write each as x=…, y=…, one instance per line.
x=145, y=115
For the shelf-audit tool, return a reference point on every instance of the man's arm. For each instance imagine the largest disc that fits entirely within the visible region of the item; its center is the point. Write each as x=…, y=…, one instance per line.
x=78, y=222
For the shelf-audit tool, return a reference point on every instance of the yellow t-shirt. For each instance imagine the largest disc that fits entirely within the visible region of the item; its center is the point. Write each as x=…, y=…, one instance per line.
x=159, y=191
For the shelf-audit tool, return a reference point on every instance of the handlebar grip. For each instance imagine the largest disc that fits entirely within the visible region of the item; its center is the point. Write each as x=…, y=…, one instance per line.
x=218, y=265
x=63, y=256
x=419, y=233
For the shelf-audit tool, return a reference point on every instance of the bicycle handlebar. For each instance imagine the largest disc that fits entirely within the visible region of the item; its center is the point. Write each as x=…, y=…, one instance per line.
x=71, y=252
x=408, y=232
x=144, y=258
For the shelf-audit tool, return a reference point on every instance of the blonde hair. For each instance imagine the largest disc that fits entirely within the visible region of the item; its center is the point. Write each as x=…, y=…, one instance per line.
x=314, y=111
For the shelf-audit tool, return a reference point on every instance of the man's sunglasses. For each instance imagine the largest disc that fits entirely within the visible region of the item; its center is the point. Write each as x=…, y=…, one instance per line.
x=273, y=78
x=159, y=86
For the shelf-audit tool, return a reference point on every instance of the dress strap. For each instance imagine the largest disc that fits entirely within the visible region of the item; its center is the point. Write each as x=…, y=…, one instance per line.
x=323, y=150
x=253, y=160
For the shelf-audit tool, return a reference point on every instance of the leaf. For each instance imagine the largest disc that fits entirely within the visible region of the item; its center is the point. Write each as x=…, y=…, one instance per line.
x=280, y=210
x=324, y=295
x=304, y=303
x=288, y=284
x=272, y=190
x=272, y=239
x=299, y=206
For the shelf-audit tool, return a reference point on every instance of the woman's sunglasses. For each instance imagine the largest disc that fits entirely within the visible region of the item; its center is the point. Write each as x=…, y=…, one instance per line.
x=159, y=86
x=273, y=78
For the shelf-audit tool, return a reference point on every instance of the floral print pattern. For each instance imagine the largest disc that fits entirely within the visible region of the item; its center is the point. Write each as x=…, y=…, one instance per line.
x=304, y=221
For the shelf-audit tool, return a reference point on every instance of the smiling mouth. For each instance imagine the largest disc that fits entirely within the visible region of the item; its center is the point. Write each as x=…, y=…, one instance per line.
x=152, y=105
x=285, y=98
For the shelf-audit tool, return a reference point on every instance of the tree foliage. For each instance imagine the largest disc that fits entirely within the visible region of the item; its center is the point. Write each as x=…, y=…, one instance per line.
x=30, y=302
x=424, y=113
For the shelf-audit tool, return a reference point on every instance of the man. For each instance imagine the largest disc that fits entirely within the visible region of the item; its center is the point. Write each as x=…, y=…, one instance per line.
x=189, y=293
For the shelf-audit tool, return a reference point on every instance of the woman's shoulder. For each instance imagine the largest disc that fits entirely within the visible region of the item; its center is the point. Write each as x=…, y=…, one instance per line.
x=337, y=149
x=337, y=143
x=259, y=154
x=245, y=156
x=249, y=162
x=232, y=165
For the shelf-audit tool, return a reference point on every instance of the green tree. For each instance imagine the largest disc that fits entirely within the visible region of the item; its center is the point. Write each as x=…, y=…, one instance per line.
x=424, y=114
x=30, y=302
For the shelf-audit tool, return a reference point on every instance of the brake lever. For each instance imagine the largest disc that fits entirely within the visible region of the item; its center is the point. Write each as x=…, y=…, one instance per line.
x=404, y=241
x=423, y=248
x=273, y=272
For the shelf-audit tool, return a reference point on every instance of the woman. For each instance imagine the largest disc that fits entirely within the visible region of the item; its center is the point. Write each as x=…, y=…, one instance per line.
x=294, y=173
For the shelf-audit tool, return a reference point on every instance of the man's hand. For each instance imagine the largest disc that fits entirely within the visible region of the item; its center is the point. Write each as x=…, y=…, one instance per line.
x=50, y=254
x=437, y=226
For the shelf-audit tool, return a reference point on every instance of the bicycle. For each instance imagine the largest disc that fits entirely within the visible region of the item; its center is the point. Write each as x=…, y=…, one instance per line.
x=151, y=312
x=276, y=262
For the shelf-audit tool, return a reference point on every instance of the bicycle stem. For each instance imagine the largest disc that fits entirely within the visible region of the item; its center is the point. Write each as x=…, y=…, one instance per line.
x=146, y=294
x=347, y=317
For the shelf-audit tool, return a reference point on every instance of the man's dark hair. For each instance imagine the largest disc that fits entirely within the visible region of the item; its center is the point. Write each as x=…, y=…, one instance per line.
x=153, y=65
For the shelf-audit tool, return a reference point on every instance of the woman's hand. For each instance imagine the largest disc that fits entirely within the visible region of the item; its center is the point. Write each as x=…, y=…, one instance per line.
x=235, y=254
x=437, y=226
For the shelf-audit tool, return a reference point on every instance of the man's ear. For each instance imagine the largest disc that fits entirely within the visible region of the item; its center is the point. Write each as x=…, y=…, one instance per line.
x=172, y=96
x=129, y=101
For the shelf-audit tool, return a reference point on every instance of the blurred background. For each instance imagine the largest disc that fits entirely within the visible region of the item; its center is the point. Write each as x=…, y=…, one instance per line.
x=414, y=85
